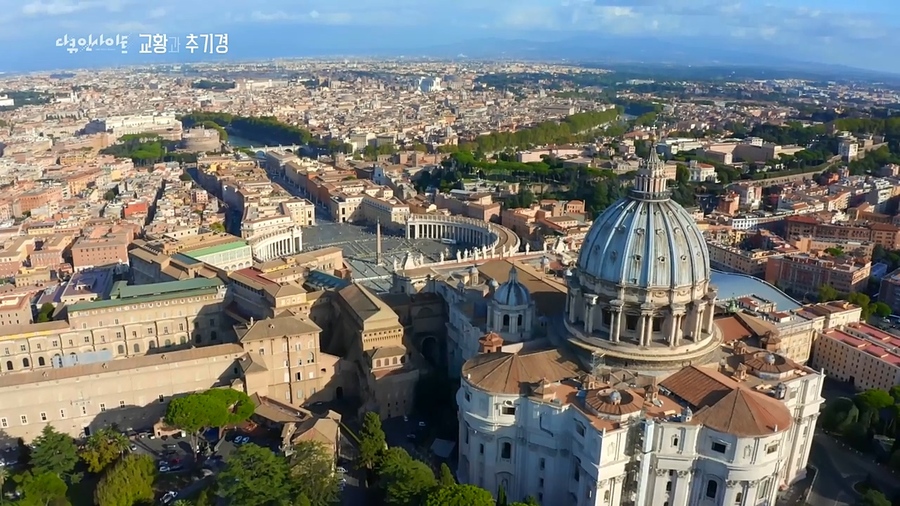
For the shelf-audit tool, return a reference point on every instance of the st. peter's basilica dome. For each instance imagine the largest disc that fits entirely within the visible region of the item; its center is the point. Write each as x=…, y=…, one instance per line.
x=640, y=294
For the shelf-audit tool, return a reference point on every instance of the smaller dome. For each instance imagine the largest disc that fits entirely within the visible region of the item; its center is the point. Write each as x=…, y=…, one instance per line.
x=473, y=271
x=615, y=397
x=493, y=283
x=770, y=358
x=545, y=262
x=512, y=293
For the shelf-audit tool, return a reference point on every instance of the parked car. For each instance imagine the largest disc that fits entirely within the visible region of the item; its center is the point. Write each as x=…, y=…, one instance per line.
x=164, y=468
x=239, y=440
x=169, y=497
x=340, y=470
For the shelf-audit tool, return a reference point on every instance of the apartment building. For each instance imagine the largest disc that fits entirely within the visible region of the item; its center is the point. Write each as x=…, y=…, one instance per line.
x=49, y=251
x=859, y=354
x=389, y=211
x=805, y=273
x=480, y=206
x=886, y=235
x=15, y=309
x=110, y=249
x=14, y=254
x=733, y=259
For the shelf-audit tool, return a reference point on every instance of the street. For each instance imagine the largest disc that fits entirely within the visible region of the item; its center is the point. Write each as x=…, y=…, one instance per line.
x=839, y=468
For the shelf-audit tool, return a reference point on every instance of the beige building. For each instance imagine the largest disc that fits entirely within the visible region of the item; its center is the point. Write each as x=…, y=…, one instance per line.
x=15, y=309
x=134, y=321
x=284, y=361
x=133, y=393
x=371, y=334
x=861, y=355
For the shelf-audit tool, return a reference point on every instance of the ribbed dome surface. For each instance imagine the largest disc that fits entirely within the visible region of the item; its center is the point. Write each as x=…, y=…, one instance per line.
x=512, y=293
x=648, y=243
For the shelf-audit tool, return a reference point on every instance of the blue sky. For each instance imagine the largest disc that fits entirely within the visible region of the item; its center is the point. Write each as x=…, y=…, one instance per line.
x=856, y=33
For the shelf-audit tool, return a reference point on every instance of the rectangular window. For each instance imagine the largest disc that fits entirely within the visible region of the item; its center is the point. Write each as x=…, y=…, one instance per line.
x=87, y=339
x=24, y=420
x=62, y=413
x=579, y=428
x=541, y=464
x=4, y=423
x=43, y=416
x=162, y=398
x=508, y=410
x=22, y=347
x=719, y=447
x=102, y=407
x=772, y=448
x=118, y=335
x=262, y=351
x=54, y=343
x=83, y=410
x=312, y=374
x=299, y=393
x=287, y=377
x=181, y=327
x=121, y=404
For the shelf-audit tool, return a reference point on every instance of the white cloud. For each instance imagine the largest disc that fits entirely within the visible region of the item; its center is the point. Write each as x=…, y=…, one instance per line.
x=157, y=13
x=55, y=7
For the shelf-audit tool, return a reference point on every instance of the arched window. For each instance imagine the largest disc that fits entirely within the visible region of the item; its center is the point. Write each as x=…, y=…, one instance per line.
x=41, y=361
x=311, y=358
x=505, y=320
x=377, y=362
x=9, y=366
x=712, y=488
x=213, y=336
x=120, y=349
x=506, y=451
x=519, y=321
x=395, y=360
x=674, y=440
x=310, y=345
x=26, y=362
x=151, y=344
x=182, y=340
x=136, y=347
x=168, y=342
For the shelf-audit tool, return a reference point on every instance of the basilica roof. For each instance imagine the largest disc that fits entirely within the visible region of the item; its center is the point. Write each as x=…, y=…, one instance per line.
x=646, y=239
x=745, y=413
x=515, y=374
x=723, y=404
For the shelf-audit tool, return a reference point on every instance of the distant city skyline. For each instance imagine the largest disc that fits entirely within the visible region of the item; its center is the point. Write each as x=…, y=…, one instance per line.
x=854, y=34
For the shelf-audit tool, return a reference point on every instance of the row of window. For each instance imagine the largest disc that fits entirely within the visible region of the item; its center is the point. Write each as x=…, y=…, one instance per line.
x=120, y=350
x=23, y=419
x=23, y=348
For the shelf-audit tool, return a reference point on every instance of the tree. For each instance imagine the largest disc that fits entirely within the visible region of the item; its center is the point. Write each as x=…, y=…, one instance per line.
x=4, y=476
x=529, y=501
x=102, y=449
x=459, y=495
x=54, y=452
x=45, y=313
x=403, y=479
x=127, y=482
x=827, y=293
x=185, y=176
x=873, y=497
x=213, y=408
x=446, y=478
x=254, y=476
x=372, y=441
x=217, y=227
x=874, y=399
x=312, y=474
x=882, y=309
x=41, y=489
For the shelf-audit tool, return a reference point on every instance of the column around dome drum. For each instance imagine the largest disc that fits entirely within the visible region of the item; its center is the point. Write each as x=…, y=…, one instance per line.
x=708, y=315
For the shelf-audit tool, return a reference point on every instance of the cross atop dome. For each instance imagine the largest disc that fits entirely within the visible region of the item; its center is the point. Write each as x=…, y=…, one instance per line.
x=651, y=182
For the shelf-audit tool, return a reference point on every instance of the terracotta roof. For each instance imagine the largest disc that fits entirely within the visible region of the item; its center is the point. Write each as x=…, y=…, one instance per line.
x=699, y=386
x=514, y=374
x=602, y=401
x=275, y=328
x=744, y=412
x=733, y=328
